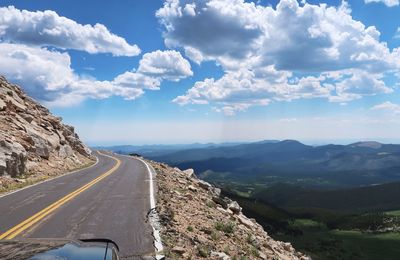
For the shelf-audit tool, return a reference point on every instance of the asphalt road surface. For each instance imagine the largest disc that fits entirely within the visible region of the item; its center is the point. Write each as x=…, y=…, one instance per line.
x=113, y=204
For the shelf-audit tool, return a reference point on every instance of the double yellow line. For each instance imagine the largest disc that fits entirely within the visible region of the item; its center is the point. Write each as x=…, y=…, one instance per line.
x=13, y=232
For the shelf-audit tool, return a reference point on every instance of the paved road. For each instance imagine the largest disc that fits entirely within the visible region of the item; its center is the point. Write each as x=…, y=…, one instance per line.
x=114, y=207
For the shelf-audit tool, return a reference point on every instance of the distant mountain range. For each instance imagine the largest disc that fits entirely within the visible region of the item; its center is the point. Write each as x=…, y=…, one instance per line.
x=288, y=161
x=160, y=149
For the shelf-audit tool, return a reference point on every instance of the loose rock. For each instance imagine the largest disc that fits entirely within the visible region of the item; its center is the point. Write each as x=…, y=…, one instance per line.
x=198, y=222
x=189, y=173
x=33, y=141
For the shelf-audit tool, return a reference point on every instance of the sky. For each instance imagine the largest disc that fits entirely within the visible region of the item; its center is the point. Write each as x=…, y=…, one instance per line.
x=164, y=72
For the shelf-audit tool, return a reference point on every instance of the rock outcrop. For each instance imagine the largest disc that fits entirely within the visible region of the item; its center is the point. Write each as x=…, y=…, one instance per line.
x=33, y=142
x=197, y=222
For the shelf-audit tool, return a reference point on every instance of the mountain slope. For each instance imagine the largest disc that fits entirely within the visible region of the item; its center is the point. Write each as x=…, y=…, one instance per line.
x=362, y=154
x=198, y=222
x=361, y=163
x=33, y=142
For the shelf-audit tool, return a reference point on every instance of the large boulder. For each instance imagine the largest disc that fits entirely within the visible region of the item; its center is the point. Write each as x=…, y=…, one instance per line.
x=205, y=185
x=235, y=207
x=27, y=117
x=12, y=158
x=65, y=151
x=3, y=105
x=189, y=173
x=42, y=148
x=3, y=163
x=77, y=145
x=16, y=165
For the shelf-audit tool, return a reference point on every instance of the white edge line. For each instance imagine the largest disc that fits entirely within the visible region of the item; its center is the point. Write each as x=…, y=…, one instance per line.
x=50, y=179
x=156, y=233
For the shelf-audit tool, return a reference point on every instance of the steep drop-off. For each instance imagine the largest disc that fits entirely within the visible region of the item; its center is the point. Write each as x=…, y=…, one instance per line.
x=200, y=223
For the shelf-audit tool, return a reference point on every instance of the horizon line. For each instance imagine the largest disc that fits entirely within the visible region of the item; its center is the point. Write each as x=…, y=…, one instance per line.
x=311, y=142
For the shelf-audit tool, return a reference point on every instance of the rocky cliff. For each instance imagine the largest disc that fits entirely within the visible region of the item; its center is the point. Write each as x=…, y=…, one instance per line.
x=33, y=143
x=197, y=222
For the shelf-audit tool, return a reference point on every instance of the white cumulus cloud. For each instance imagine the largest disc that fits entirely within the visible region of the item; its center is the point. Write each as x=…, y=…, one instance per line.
x=262, y=49
x=292, y=37
x=47, y=28
x=389, y=3
x=321, y=38
x=216, y=29
x=47, y=76
x=165, y=64
x=388, y=107
x=238, y=90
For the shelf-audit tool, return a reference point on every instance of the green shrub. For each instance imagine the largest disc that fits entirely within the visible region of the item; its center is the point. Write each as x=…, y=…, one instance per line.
x=210, y=204
x=203, y=251
x=254, y=251
x=227, y=227
x=214, y=235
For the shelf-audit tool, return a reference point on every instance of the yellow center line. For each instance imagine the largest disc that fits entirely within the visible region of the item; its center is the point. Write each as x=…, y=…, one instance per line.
x=13, y=232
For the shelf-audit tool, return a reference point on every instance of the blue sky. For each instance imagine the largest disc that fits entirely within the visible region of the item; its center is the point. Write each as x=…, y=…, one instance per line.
x=199, y=71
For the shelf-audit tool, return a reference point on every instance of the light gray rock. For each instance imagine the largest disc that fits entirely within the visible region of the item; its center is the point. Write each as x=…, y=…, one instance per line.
x=235, y=207
x=55, y=122
x=223, y=211
x=53, y=140
x=288, y=247
x=3, y=105
x=65, y=151
x=12, y=158
x=3, y=163
x=77, y=145
x=245, y=221
x=224, y=202
x=192, y=188
x=178, y=250
x=205, y=185
x=189, y=173
x=215, y=192
x=28, y=118
x=262, y=256
x=41, y=147
x=220, y=255
x=30, y=165
x=87, y=150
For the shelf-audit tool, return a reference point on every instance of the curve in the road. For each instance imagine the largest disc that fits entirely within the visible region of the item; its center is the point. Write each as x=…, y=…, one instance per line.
x=24, y=225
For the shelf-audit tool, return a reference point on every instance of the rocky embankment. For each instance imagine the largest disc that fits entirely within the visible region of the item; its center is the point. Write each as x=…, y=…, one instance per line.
x=197, y=222
x=34, y=144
